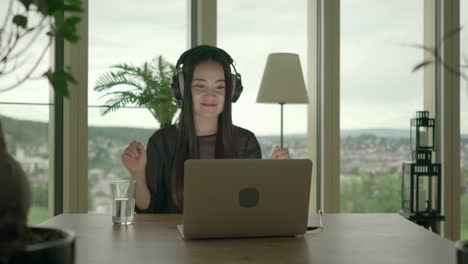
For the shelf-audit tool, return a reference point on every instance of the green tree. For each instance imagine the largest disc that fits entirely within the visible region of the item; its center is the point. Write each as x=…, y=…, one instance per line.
x=370, y=193
x=39, y=193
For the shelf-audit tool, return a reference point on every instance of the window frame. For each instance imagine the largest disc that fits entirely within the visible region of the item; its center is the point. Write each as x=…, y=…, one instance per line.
x=323, y=36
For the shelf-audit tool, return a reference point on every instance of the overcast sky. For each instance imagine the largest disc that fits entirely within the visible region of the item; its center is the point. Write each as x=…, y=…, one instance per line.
x=378, y=89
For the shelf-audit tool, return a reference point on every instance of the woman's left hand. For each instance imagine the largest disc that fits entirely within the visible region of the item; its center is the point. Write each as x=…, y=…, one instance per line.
x=279, y=153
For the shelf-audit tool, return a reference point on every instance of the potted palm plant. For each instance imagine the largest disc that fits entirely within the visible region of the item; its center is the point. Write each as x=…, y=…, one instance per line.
x=150, y=87
x=25, y=23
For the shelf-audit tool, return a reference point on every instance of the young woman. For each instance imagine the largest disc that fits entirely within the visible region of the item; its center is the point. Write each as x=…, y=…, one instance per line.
x=205, y=87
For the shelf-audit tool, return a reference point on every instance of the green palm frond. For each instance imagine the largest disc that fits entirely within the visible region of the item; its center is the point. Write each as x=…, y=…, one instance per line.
x=116, y=104
x=128, y=69
x=118, y=94
x=108, y=80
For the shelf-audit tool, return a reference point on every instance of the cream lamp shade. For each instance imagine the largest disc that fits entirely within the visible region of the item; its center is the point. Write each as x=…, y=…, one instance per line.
x=283, y=81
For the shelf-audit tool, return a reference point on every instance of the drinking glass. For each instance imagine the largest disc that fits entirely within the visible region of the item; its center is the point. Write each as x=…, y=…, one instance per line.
x=123, y=201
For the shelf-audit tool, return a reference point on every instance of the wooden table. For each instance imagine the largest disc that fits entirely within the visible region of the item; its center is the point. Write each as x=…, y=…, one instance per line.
x=346, y=238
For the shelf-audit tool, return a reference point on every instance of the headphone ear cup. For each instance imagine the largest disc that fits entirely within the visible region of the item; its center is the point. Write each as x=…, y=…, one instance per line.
x=181, y=84
x=236, y=87
x=175, y=87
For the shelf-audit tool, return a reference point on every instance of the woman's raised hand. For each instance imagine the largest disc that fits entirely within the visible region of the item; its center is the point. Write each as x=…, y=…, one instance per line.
x=134, y=158
x=279, y=153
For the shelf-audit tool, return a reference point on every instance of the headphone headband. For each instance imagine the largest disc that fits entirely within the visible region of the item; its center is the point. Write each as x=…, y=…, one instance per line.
x=178, y=77
x=187, y=53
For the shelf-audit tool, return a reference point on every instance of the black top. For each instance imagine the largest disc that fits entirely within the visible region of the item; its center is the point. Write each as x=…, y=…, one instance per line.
x=160, y=153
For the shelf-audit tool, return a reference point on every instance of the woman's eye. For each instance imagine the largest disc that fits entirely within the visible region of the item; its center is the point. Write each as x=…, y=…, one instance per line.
x=220, y=87
x=199, y=86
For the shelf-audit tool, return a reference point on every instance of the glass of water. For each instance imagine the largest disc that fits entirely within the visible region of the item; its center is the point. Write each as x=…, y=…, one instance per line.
x=123, y=201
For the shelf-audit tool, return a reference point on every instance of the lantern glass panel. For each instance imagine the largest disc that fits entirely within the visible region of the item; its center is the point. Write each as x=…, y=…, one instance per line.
x=426, y=135
x=426, y=193
x=422, y=194
x=433, y=206
x=406, y=187
x=416, y=194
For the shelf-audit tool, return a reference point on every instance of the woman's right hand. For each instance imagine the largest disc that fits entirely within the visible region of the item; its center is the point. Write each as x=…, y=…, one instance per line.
x=134, y=158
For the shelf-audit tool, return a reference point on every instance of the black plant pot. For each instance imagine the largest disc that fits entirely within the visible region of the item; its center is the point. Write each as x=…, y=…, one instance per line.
x=58, y=246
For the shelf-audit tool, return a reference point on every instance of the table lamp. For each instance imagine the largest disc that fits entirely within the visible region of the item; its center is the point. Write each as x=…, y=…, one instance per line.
x=282, y=82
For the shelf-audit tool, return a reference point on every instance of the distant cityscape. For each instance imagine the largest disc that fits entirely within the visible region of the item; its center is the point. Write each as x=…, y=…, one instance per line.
x=370, y=152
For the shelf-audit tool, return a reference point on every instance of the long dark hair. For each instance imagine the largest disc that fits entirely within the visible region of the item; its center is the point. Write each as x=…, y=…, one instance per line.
x=187, y=143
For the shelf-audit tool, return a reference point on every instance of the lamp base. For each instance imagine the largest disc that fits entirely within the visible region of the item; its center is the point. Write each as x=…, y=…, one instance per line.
x=282, y=104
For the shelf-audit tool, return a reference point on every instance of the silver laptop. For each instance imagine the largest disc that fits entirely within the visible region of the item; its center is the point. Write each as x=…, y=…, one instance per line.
x=226, y=198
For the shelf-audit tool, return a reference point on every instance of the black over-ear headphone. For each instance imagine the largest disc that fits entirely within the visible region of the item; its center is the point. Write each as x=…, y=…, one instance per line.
x=177, y=85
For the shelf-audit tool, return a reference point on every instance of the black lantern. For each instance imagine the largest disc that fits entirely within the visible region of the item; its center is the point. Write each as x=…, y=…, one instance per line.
x=421, y=178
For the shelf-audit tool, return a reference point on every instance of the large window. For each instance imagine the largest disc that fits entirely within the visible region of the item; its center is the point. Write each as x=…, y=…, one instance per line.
x=24, y=113
x=379, y=96
x=249, y=31
x=132, y=33
x=464, y=121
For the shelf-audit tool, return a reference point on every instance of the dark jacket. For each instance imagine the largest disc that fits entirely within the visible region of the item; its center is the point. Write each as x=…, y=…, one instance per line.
x=160, y=153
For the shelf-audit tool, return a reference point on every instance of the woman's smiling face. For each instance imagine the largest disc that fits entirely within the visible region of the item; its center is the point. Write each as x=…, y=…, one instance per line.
x=208, y=89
